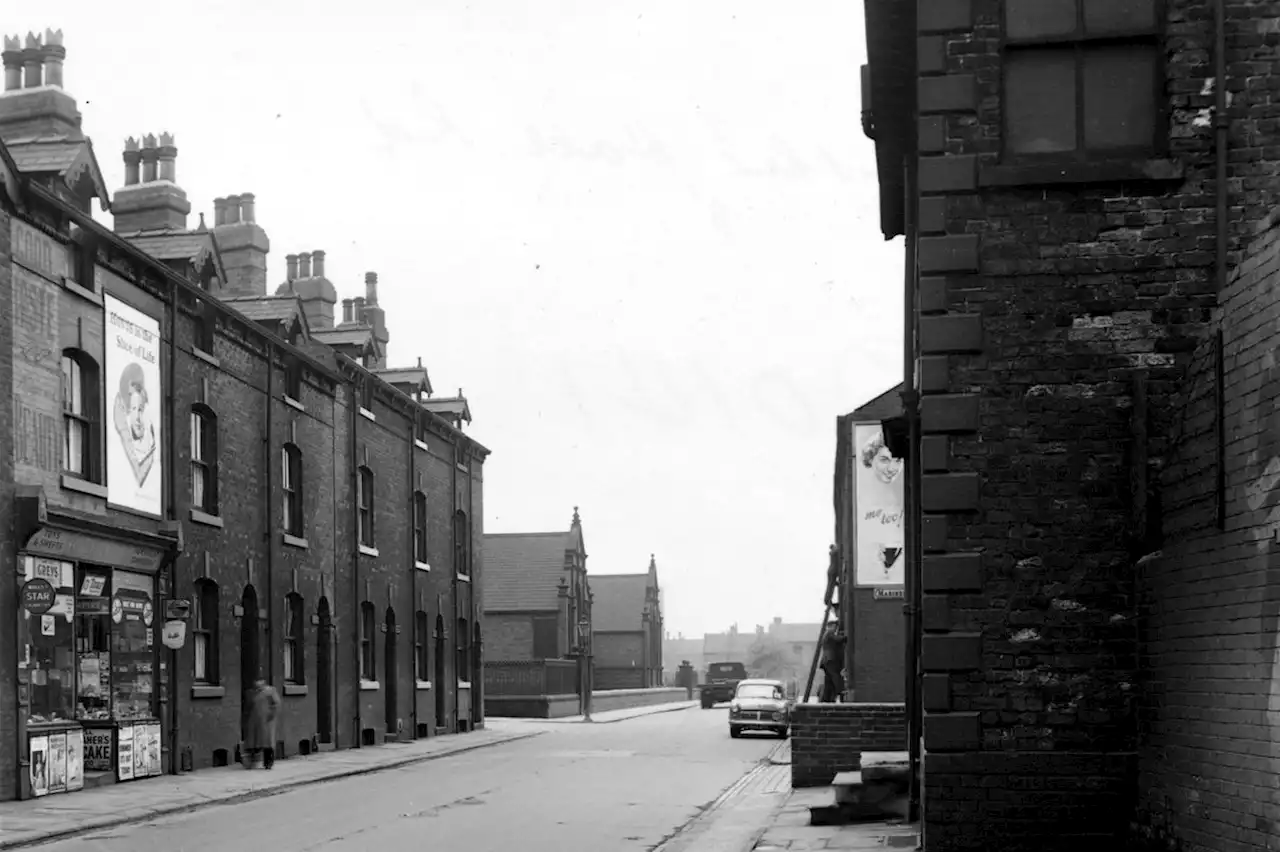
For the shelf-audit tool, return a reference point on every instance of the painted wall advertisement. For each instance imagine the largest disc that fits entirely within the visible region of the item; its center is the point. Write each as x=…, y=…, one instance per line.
x=132, y=385
x=878, y=504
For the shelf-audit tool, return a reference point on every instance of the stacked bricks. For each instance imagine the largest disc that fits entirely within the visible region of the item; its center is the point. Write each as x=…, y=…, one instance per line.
x=827, y=739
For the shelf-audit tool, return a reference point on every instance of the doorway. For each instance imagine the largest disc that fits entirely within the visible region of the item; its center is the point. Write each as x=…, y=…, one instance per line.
x=391, y=672
x=250, y=654
x=437, y=685
x=324, y=672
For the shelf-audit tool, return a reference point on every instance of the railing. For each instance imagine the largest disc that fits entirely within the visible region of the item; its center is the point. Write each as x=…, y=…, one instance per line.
x=530, y=677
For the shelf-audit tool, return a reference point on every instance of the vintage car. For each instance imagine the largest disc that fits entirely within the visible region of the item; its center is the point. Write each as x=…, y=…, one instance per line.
x=760, y=705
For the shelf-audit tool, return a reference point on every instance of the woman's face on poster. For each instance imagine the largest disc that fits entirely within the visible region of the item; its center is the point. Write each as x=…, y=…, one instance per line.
x=885, y=466
x=137, y=411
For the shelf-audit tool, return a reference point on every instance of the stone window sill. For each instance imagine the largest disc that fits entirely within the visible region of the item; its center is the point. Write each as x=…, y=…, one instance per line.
x=83, y=486
x=1032, y=172
x=290, y=401
x=368, y=415
x=205, y=356
x=423, y=685
x=366, y=550
x=422, y=566
x=295, y=689
x=83, y=292
x=205, y=518
x=295, y=541
x=370, y=686
x=208, y=690
x=420, y=444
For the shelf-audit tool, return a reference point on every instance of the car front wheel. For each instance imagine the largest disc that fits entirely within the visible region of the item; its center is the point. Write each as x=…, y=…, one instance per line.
x=734, y=733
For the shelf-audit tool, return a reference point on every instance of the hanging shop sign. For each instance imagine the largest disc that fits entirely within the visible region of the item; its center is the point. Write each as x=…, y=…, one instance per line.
x=38, y=596
x=174, y=634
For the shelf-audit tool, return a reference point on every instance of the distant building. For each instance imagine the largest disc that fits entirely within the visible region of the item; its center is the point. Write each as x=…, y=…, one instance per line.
x=677, y=649
x=627, y=629
x=783, y=650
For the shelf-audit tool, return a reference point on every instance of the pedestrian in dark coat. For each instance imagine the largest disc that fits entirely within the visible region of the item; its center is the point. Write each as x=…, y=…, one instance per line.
x=260, y=729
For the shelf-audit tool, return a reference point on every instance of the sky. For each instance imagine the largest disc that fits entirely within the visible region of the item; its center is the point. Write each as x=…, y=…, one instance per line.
x=642, y=238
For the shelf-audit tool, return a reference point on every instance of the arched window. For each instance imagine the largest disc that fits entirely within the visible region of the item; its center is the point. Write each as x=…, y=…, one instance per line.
x=80, y=448
x=463, y=640
x=461, y=544
x=291, y=487
x=364, y=500
x=204, y=632
x=420, y=528
x=204, y=459
x=295, y=644
x=368, y=635
x=421, y=665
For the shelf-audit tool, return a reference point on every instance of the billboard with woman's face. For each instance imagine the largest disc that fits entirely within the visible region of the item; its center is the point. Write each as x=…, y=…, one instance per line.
x=133, y=394
x=878, y=509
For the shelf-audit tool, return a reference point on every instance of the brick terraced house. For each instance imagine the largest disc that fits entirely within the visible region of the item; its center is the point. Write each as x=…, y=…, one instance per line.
x=208, y=482
x=1087, y=193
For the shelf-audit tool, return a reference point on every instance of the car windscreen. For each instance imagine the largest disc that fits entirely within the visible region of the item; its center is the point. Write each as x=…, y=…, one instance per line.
x=756, y=690
x=727, y=669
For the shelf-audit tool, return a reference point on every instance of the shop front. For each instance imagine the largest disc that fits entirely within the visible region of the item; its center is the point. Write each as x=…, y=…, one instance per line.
x=91, y=676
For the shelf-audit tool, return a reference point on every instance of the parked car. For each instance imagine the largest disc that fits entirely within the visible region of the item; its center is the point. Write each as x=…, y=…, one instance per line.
x=722, y=680
x=760, y=705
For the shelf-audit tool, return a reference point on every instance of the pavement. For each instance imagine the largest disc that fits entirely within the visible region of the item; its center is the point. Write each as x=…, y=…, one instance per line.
x=541, y=785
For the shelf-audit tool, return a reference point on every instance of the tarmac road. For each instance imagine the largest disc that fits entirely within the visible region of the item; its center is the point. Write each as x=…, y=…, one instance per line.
x=591, y=787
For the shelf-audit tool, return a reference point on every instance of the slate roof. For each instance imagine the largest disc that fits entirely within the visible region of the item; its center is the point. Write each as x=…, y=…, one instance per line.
x=404, y=376
x=170, y=244
x=66, y=156
x=522, y=571
x=451, y=406
x=357, y=335
x=265, y=308
x=882, y=407
x=618, y=602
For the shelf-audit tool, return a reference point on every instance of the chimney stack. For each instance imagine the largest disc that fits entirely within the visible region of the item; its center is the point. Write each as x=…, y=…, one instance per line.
x=243, y=244
x=152, y=200
x=346, y=311
x=375, y=316
x=304, y=264
x=317, y=264
x=291, y=267
x=36, y=104
x=371, y=287
x=316, y=293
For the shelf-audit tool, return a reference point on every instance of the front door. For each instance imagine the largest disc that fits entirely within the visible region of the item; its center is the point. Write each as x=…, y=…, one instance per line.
x=324, y=672
x=437, y=685
x=391, y=675
x=250, y=654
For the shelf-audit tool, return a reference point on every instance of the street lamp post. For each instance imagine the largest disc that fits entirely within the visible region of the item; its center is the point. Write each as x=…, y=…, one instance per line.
x=584, y=649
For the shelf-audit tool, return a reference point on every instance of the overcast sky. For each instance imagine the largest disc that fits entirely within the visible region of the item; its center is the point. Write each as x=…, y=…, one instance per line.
x=642, y=237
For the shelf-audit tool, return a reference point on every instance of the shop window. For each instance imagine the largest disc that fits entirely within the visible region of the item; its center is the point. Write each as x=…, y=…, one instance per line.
x=419, y=527
x=421, y=665
x=204, y=459
x=204, y=633
x=291, y=487
x=463, y=649
x=80, y=415
x=364, y=500
x=461, y=542
x=1082, y=78
x=294, y=640
x=93, y=644
x=133, y=676
x=368, y=632
x=49, y=641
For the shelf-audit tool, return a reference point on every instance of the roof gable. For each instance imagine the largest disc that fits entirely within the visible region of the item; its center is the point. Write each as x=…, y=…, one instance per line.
x=882, y=407
x=65, y=157
x=618, y=602
x=522, y=571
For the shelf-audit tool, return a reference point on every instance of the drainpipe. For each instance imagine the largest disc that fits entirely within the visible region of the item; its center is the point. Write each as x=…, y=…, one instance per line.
x=354, y=483
x=413, y=559
x=172, y=463
x=457, y=589
x=268, y=471
x=911, y=487
x=1221, y=124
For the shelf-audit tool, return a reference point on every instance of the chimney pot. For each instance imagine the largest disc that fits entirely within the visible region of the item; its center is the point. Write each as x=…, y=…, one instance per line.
x=371, y=287
x=317, y=264
x=346, y=310
x=247, y=204
x=33, y=62
x=219, y=212
x=304, y=265
x=12, y=63
x=53, y=55
x=233, y=209
x=357, y=307
x=291, y=267
x=132, y=160
x=167, y=155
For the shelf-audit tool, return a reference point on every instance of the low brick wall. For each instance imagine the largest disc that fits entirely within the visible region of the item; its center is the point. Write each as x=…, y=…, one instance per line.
x=560, y=706
x=827, y=739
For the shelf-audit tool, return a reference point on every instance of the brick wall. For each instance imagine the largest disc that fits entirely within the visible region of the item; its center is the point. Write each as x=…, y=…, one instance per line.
x=8, y=591
x=1211, y=599
x=1058, y=317
x=879, y=648
x=827, y=739
x=508, y=636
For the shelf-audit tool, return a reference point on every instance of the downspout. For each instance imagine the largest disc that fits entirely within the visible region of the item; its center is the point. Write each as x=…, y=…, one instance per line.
x=172, y=464
x=1221, y=124
x=269, y=532
x=354, y=484
x=413, y=559
x=911, y=538
x=457, y=640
